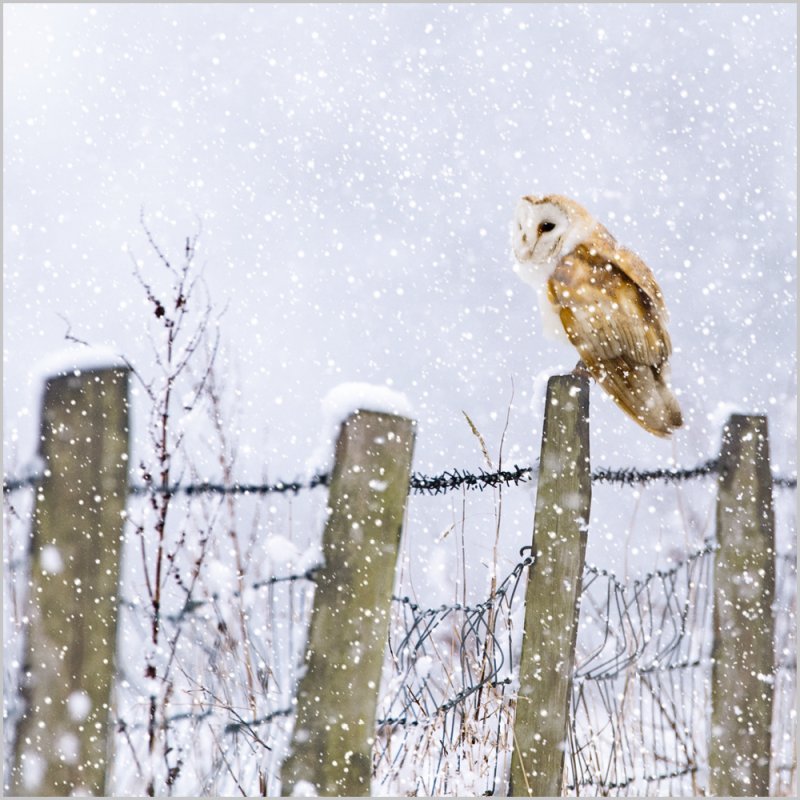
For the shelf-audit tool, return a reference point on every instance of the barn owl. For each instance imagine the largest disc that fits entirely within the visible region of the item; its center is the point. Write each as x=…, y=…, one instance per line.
x=605, y=299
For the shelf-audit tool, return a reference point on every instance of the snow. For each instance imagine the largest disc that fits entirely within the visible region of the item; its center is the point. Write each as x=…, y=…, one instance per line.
x=282, y=555
x=346, y=398
x=355, y=169
x=342, y=401
x=304, y=789
x=719, y=415
x=79, y=704
x=220, y=579
x=75, y=359
x=423, y=667
x=51, y=559
x=310, y=558
x=33, y=769
x=68, y=746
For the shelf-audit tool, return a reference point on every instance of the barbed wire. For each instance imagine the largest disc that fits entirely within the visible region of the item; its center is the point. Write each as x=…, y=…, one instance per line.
x=451, y=480
x=630, y=475
x=447, y=481
x=207, y=487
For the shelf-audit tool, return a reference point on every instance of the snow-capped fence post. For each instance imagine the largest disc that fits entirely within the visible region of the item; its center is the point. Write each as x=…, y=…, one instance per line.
x=61, y=742
x=552, y=597
x=337, y=697
x=744, y=585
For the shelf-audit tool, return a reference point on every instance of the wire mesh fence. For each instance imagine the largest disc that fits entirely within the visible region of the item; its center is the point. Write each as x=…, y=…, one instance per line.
x=639, y=707
x=641, y=688
x=642, y=676
x=446, y=717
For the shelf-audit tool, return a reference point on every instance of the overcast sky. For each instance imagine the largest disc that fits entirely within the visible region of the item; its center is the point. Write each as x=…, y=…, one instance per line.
x=356, y=168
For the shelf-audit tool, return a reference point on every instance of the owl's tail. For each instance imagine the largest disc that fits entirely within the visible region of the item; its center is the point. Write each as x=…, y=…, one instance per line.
x=642, y=392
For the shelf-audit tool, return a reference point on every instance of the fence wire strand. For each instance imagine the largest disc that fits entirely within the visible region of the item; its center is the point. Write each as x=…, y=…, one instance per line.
x=447, y=481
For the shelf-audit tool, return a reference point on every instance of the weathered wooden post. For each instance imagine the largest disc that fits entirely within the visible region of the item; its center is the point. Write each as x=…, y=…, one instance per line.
x=744, y=585
x=552, y=597
x=338, y=694
x=61, y=744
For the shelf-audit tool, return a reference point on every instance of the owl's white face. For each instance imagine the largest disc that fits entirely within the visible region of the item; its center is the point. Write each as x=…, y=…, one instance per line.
x=544, y=230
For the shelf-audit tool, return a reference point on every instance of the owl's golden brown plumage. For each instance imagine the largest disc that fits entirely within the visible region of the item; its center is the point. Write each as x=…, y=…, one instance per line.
x=606, y=300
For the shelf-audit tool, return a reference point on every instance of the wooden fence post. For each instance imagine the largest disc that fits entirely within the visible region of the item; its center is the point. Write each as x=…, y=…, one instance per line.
x=552, y=597
x=338, y=694
x=744, y=585
x=61, y=743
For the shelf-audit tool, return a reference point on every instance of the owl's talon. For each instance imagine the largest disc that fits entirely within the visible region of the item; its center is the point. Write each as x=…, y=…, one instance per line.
x=581, y=370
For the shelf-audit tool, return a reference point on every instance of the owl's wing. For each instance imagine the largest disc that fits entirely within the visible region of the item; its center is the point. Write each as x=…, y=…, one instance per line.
x=619, y=329
x=604, y=250
x=607, y=314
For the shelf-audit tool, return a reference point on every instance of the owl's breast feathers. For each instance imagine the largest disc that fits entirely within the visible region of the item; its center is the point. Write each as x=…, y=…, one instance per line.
x=613, y=312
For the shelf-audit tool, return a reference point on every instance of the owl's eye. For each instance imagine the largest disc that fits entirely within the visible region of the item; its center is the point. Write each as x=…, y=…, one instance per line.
x=546, y=226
